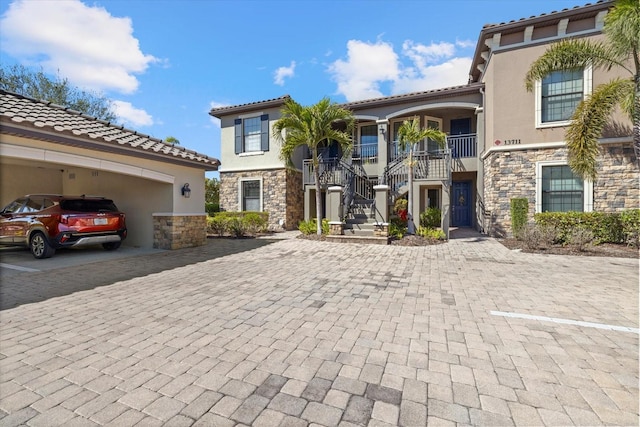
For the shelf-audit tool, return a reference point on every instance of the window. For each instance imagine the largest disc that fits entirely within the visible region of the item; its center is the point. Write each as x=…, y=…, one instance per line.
x=558, y=95
x=250, y=195
x=252, y=134
x=433, y=198
x=368, y=144
x=559, y=190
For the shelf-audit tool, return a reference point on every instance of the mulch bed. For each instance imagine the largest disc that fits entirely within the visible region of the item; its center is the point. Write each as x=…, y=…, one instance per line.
x=602, y=250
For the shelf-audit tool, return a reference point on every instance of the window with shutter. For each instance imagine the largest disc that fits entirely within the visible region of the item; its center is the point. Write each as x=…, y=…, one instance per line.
x=252, y=134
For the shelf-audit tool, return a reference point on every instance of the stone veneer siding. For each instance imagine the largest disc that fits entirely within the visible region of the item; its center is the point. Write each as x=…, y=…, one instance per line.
x=512, y=174
x=282, y=195
x=179, y=231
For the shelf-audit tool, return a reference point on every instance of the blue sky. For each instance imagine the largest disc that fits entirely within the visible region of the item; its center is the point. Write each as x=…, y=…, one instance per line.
x=165, y=63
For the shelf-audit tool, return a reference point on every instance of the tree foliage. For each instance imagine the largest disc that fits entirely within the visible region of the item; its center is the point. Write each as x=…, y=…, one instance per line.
x=212, y=195
x=621, y=49
x=312, y=126
x=172, y=140
x=38, y=85
x=409, y=134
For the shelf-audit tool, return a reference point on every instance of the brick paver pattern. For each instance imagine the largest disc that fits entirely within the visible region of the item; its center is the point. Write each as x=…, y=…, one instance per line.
x=299, y=333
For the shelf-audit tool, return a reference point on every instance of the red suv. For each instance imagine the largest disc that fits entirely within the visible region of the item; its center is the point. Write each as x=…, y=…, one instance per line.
x=45, y=222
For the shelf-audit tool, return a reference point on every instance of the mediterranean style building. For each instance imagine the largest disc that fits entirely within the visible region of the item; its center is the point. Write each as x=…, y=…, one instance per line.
x=503, y=142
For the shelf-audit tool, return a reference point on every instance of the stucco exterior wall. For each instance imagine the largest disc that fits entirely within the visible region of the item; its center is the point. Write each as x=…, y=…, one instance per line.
x=232, y=162
x=513, y=175
x=511, y=110
x=281, y=195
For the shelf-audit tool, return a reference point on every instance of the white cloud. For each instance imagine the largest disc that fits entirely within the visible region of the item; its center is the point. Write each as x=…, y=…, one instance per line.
x=284, y=72
x=368, y=65
x=451, y=73
x=466, y=44
x=87, y=45
x=131, y=116
x=215, y=104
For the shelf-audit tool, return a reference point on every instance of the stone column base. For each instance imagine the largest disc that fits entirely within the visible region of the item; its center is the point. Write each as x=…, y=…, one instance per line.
x=381, y=229
x=336, y=228
x=177, y=231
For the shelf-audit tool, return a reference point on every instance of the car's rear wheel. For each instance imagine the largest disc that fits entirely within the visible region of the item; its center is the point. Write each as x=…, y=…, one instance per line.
x=111, y=246
x=40, y=247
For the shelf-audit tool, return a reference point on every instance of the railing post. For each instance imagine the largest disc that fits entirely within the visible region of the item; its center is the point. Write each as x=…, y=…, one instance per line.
x=334, y=210
x=381, y=213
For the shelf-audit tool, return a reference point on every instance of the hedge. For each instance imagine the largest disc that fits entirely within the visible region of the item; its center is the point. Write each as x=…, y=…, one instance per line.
x=615, y=227
x=238, y=224
x=519, y=213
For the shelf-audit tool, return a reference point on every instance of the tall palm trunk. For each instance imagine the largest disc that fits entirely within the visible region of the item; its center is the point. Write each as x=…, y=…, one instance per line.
x=316, y=174
x=411, y=227
x=636, y=120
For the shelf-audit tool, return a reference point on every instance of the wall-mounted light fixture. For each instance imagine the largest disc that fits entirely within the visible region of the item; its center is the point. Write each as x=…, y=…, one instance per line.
x=382, y=129
x=186, y=191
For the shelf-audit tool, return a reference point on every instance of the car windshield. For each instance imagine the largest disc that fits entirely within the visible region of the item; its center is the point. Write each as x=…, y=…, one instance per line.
x=14, y=206
x=84, y=205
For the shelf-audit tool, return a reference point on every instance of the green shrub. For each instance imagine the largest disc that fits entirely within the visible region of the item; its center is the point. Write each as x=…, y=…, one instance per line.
x=431, y=233
x=310, y=227
x=254, y=222
x=431, y=218
x=397, y=228
x=211, y=208
x=606, y=227
x=217, y=225
x=236, y=227
x=630, y=223
x=519, y=214
x=238, y=223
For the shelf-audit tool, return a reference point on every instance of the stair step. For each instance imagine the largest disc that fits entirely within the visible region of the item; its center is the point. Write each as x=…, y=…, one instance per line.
x=359, y=239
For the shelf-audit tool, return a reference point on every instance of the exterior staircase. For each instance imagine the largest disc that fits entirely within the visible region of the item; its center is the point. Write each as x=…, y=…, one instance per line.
x=360, y=224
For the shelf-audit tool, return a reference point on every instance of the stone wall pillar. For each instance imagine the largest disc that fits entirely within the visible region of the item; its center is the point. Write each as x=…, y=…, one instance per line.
x=382, y=203
x=177, y=231
x=334, y=210
x=334, y=203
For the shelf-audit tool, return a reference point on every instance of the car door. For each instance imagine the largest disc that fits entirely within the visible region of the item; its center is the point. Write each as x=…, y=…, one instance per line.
x=12, y=222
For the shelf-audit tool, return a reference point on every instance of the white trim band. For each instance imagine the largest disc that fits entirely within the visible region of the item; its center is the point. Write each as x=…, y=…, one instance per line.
x=566, y=321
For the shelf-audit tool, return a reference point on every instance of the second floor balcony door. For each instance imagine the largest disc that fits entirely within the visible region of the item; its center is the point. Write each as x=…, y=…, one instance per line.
x=431, y=146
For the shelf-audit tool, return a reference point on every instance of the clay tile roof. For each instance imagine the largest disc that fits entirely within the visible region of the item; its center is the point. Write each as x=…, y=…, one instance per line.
x=48, y=117
x=252, y=106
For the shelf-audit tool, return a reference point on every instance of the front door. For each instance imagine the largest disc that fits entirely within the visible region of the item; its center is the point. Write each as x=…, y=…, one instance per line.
x=461, y=204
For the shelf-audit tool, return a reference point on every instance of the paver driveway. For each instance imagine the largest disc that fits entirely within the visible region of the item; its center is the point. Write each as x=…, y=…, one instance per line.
x=300, y=333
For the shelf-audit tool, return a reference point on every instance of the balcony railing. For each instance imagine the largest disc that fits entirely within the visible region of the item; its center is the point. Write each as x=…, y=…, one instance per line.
x=365, y=153
x=463, y=146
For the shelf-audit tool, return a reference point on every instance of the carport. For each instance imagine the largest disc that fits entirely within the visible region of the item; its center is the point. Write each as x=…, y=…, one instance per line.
x=46, y=148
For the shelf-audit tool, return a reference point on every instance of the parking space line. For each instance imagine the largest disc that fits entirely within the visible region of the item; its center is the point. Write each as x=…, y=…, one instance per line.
x=17, y=267
x=566, y=321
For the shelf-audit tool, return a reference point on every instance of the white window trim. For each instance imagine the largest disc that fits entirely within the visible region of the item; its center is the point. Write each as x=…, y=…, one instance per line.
x=250, y=153
x=588, y=87
x=587, y=186
x=240, y=182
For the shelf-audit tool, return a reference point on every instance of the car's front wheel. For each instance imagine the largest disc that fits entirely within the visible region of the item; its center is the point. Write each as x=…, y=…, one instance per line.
x=40, y=247
x=111, y=246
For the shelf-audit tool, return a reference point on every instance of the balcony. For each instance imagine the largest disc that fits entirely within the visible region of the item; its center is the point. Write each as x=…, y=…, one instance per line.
x=463, y=146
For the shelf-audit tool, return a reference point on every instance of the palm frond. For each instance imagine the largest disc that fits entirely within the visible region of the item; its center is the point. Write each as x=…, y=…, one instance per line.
x=587, y=124
x=622, y=27
x=568, y=55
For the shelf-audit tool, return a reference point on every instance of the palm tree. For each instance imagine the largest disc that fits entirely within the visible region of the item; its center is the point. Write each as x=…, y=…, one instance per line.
x=621, y=49
x=409, y=134
x=312, y=126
